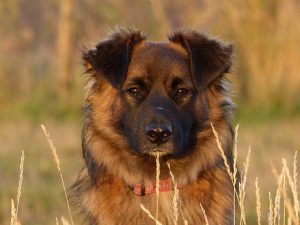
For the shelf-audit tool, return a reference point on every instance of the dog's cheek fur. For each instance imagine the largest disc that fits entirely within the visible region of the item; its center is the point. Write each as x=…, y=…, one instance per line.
x=101, y=113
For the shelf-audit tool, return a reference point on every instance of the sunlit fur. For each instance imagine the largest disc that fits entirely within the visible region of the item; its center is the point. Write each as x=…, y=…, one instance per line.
x=112, y=166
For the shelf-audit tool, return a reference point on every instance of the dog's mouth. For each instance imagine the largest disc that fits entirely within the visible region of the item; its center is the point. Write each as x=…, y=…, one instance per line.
x=160, y=152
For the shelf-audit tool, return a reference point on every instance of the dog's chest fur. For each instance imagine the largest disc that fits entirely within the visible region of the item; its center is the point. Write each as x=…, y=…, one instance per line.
x=113, y=203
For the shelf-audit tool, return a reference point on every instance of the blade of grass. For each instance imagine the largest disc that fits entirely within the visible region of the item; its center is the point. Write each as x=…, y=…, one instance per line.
x=57, y=162
x=12, y=213
x=150, y=215
x=20, y=181
x=204, y=214
x=175, y=197
x=258, y=203
x=15, y=210
x=157, y=185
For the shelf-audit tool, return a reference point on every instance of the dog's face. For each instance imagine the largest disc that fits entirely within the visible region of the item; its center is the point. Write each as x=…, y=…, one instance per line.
x=158, y=95
x=161, y=87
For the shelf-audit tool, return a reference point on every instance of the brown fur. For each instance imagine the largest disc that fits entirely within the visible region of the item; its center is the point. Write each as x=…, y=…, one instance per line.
x=111, y=167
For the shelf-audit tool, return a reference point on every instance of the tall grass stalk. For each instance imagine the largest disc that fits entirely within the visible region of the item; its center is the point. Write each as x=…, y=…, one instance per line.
x=220, y=147
x=284, y=188
x=233, y=174
x=270, y=215
x=20, y=181
x=15, y=210
x=293, y=209
x=297, y=207
x=242, y=188
x=150, y=215
x=175, y=197
x=235, y=170
x=277, y=198
x=204, y=214
x=157, y=184
x=258, y=203
x=57, y=162
x=12, y=212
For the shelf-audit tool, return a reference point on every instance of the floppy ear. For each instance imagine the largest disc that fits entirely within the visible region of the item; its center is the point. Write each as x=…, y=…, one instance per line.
x=209, y=58
x=110, y=58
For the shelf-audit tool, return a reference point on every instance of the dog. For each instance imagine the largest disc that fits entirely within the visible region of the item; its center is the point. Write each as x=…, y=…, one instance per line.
x=156, y=99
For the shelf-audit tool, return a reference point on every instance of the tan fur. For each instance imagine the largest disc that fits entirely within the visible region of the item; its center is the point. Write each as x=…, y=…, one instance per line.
x=201, y=173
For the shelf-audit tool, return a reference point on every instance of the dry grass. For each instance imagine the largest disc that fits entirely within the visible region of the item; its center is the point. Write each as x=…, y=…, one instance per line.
x=56, y=159
x=175, y=197
x=14, y=211
x=274, y=213
x=157, y=185
x=157, y=193
x=282, y=206
x=258, y=204
x=204, y=214
x=150, y=215
x=241, y=193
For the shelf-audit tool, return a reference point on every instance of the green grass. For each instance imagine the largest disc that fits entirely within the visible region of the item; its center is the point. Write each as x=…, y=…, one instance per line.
x=273, y=110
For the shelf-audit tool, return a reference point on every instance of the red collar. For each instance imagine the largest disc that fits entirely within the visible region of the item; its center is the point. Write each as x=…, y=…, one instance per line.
x=164, y=186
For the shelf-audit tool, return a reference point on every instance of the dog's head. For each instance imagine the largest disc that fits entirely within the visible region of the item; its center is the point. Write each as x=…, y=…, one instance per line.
x=158, y=99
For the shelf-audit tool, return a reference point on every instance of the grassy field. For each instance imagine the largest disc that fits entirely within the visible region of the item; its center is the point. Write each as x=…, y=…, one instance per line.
x=265, y=77
x=42, y=197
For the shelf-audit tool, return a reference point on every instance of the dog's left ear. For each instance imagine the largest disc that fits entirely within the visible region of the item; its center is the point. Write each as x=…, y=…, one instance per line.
x=110, y=58
x=209, y=58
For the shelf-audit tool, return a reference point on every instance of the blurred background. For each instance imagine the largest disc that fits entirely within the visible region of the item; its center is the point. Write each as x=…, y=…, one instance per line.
x=42, y=82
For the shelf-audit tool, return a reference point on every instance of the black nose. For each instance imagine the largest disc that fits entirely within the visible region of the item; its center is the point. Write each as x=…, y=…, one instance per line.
x=158, y=133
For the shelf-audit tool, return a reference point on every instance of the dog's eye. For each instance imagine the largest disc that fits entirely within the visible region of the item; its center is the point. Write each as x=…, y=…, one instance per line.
x=135, y=92
x=180, y=93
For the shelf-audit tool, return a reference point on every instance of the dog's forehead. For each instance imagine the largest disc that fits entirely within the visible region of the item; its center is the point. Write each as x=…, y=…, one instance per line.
x=160, y=48
x=164, y=57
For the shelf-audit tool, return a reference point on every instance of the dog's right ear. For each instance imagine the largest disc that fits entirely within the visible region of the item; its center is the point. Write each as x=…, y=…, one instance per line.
x=209, y=58
x=111, y=58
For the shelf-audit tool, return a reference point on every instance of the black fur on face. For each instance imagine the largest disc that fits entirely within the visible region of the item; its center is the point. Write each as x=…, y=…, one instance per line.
x=158, y=96
x=159, y=84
